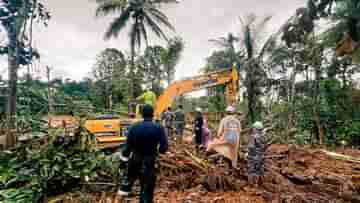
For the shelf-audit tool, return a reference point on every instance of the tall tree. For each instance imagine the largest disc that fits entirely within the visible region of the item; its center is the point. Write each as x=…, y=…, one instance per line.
x=153, y=67
x=252, y=66
x=16, y=17
x=171, y=57
x=110, y=65
x=228, y=44
x=140, y=14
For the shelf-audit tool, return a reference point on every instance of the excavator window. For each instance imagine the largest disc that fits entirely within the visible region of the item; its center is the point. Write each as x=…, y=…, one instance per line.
x=135, y=108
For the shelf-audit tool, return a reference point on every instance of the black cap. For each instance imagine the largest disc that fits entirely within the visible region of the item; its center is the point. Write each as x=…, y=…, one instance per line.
x=148, y=111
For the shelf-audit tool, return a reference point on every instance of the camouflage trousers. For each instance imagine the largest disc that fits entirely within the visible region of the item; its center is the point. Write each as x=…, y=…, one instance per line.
x=255, y=165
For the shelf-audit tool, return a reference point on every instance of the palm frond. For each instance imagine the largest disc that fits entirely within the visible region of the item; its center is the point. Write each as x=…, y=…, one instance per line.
x=107, y=7
x=257, y=27
x=161, y=18
x=225, y=42
x=163, y=1
x=118, y=24
x=250, y=32
x=272, y=39
x=219, y=42
x=144, y=33
x=334, y=34
x=154, y=27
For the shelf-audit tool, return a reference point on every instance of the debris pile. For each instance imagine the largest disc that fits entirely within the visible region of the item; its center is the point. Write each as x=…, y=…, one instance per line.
x=293, y=174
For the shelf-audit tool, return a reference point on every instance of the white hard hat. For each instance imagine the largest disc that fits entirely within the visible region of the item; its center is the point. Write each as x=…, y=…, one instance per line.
x=258, y=125
x=198, y=109
x=230, y=109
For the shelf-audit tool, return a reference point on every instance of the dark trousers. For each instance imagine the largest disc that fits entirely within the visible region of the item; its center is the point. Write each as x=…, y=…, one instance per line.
x=142, y=168
x=198, y=137
x=168, y=132
x=179, y=129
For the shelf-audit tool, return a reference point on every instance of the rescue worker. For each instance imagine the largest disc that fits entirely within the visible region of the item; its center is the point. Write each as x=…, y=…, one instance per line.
x=255, y=154
x=198, y=127
x=205, y=132
x=148, y=97
x=179, y=122
x=228, y=140
x=145, y=140
x=168, y=118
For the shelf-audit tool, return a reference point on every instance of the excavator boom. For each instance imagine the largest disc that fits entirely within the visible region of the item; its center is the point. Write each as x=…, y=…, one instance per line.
x=227, y=77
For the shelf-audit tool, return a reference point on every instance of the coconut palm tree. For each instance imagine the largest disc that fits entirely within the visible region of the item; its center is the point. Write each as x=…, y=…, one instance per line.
x=140, y=15
x=252, y=66
x=228, y=44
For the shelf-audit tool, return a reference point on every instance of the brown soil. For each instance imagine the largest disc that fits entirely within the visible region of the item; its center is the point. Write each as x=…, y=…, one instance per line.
x=293, y=174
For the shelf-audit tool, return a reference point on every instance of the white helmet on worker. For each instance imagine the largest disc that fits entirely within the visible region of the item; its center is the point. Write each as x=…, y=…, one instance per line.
x=198, y=109
x=230, y=109
x=258, y=125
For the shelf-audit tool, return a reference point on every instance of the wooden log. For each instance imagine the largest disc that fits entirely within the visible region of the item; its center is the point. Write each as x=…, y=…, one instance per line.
x=341, y=157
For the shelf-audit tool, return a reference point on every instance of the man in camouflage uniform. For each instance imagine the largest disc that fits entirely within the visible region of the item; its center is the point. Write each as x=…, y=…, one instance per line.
x=255, y=157
x=179, y=123
x=168, y=118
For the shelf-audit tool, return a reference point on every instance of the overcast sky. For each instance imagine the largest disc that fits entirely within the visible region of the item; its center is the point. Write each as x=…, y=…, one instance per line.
x=74, y=37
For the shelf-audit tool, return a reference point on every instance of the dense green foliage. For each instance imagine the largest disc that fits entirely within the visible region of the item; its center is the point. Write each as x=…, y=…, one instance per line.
x=141, y=15
x=294, y=76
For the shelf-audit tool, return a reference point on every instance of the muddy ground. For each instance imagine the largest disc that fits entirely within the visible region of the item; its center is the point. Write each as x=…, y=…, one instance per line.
x=293, y=174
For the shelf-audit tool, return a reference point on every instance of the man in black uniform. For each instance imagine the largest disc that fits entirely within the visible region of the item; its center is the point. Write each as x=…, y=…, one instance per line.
x=144, y=141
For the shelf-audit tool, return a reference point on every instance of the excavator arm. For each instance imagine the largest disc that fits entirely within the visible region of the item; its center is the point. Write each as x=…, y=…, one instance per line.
x=111, y=131
x=227, y=77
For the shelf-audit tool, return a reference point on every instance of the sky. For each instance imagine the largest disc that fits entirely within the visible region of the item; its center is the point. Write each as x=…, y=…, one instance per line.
x=74, y=37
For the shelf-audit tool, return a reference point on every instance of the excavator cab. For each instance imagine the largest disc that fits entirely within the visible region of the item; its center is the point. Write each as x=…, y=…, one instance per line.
x=134, y=109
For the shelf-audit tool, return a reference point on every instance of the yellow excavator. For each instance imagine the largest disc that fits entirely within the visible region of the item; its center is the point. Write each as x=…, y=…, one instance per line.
x=111, y=131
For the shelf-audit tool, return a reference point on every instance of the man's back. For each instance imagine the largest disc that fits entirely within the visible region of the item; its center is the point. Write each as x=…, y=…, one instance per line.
x=179, y=116
x=168, y=118
x=144, y=138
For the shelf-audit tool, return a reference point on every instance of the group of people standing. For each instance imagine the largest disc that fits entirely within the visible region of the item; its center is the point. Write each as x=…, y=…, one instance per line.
x=169, y=118
x=176, y=120
x=147, y=138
